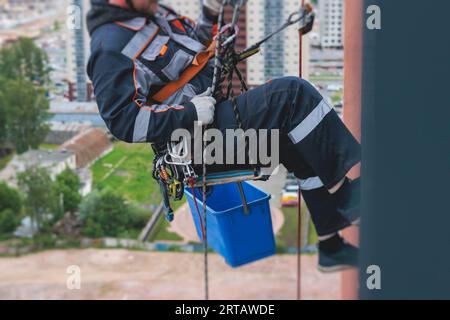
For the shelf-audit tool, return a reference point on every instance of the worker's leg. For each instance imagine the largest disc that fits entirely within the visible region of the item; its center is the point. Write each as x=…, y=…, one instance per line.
x=295, y=108
x=318, y=135
x=334, y=253
x=321, y=204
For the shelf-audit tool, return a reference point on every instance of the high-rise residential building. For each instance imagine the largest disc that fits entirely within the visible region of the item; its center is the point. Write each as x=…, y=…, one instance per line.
x=77, y=46
x=188, y=8
x=280, y=55
x=274, y=48
x=191, y=9
x=331, y=16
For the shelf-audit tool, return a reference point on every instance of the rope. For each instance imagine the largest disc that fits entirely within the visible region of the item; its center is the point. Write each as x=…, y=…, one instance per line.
x=299, y=219
x=228, y=65
x=228, y=68
x=214, y=87
x=205, y=237
x=202, y=228
x=226, y=60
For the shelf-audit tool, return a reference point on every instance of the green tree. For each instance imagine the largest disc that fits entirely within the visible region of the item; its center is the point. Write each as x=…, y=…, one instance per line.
x=106, y=214
x=88, y=205
x=109, y=216
x=68, y=184
x=10, y=209
x=9, y=221
x=24, y=112
x=3, y=111
x=24, y=60
x=24, y=75
x=10, y=199
x=138, y=216
x=41, y=198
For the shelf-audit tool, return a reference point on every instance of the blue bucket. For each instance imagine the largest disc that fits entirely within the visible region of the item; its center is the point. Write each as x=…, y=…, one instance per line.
x=239, y=237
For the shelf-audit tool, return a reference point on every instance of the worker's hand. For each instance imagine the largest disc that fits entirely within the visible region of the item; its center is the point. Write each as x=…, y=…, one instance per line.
x=205, y=107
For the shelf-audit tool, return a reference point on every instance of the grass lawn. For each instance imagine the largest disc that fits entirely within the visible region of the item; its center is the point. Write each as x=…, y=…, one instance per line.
x=337, y=96
x=161, y=232
x=325, y=77
x=127, y=170
x=47, y=146
x=287, y=236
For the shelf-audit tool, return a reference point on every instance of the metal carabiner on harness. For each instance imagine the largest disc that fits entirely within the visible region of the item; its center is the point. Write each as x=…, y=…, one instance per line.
x=304, y=15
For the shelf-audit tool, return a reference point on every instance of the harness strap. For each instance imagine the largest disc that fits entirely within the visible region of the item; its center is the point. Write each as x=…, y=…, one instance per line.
x=200, y=61
x=140, y=41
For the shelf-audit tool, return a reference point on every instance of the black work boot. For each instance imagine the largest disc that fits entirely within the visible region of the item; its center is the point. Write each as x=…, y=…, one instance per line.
x=335, y=255
x=348, y=199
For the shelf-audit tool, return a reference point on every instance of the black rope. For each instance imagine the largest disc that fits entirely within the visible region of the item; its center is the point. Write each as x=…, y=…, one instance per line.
x=227, y=65
x=205, y=237
x=226, y=60
x=214, y=88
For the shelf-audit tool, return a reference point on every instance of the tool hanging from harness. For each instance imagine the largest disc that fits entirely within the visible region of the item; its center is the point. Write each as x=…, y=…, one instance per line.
x=171, y=168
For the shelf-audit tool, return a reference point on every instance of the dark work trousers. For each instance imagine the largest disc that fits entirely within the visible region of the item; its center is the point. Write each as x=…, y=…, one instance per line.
x=314, y=143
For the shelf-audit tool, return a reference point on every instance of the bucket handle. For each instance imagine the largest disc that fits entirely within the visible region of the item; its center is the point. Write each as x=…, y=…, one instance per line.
x=244, y=199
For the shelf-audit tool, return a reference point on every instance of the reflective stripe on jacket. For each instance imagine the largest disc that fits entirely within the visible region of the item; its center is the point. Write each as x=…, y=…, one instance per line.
x=132, y=60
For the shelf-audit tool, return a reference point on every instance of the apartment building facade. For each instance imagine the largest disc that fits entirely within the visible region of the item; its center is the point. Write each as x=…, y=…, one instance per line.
x=331, y=14
x=279, y=56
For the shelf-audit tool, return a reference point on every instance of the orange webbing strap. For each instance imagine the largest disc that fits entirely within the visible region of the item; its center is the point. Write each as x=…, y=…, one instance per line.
x=200, y=61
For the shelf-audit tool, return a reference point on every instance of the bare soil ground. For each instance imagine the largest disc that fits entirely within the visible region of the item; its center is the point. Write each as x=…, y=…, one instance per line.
x=123, y=274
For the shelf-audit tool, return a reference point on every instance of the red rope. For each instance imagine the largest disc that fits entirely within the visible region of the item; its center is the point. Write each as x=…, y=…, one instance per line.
x=299, y=219
x=192, y=185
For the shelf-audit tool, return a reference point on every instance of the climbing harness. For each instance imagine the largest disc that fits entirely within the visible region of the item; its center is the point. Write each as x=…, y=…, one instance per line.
x=172, y=167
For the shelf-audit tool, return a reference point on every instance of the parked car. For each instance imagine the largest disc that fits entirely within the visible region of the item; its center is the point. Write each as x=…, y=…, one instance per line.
x=289, y=196
x=290, y=180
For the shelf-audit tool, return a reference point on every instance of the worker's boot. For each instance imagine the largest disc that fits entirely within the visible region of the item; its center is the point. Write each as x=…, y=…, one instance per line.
x=348, y=200
x=335, y=254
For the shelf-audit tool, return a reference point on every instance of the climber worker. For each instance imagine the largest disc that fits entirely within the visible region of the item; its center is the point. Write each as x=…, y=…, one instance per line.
x=139, y=47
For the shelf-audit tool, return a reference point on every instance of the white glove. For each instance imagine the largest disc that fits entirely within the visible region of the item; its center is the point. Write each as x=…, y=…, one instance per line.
x=205, y=107
x=213, y=5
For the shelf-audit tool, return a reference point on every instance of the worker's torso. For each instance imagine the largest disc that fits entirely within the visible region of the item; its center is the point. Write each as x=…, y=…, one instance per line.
x=161, y=49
